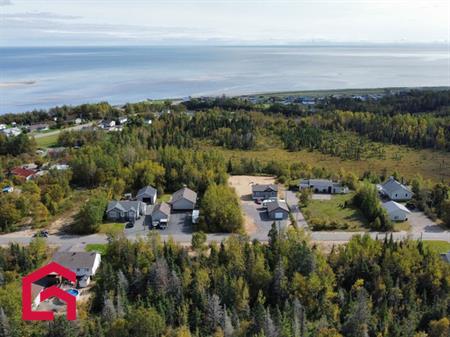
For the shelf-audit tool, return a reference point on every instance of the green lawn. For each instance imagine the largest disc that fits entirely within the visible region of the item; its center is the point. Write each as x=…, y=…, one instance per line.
x=402, y=226
x=438, y=246
x=164, y=197
x=111, y=228
x=47, y=141
x=96, y=247
x=347, y=219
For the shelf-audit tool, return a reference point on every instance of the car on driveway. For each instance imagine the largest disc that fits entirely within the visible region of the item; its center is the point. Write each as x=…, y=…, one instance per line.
x=129, y=225
x=41, y=234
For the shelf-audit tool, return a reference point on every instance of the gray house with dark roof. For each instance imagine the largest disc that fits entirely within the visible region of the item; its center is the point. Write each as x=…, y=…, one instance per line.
x=277, y=210
x=147, y=194
x=262, y=192
x=125, y=210
x=183, y=200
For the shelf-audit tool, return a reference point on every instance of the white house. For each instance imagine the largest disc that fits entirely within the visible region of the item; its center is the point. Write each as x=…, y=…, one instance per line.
x=323, y=186
x=2, y=126
x=12, y=132
x=84, y=264
x=395, y=190
x=396, y=211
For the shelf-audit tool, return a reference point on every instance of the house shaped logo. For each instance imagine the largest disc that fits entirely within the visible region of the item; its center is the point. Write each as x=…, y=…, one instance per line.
x=53, y=291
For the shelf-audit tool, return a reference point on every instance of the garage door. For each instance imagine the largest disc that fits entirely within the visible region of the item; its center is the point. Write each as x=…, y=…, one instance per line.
x=278, y=215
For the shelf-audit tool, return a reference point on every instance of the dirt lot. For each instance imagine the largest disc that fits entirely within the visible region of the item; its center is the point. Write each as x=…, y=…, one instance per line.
x=243, y=187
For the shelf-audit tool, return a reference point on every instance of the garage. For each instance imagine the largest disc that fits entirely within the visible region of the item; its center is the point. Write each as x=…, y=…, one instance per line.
x=278, y=210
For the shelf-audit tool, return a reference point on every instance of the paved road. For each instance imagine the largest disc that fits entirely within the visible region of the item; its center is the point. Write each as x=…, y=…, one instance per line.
x=69, y=242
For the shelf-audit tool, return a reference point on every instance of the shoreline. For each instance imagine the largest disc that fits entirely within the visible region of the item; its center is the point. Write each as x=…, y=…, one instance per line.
x=265, y=94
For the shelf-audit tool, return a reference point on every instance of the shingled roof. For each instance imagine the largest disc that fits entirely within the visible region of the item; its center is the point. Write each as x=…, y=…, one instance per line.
x=262, y=188
x=184, y=193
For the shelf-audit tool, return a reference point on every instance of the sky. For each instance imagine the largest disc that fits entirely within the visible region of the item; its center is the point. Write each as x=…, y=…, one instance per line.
x=216, y=22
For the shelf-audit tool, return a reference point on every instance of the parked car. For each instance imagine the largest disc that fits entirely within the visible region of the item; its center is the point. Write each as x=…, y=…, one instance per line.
x=41, y=234
x=129, y=225
x=267, y=201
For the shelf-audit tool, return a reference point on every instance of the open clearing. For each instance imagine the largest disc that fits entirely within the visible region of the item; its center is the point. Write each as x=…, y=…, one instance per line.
x=408, y=162
x=333, y=210
x=243, y=187
x=47, y=140
x=438, y=246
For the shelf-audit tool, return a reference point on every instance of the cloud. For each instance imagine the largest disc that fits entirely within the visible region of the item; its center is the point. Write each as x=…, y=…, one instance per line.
x=5, y=2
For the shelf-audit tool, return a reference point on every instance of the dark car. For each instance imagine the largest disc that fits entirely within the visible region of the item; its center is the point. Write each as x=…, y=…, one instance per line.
x=41, y=234
x=129, y=225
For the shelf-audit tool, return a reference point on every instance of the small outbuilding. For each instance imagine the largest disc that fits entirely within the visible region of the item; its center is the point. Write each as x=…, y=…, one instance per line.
x=183, y=200
x=161, y=215
x=278, y=210
x=396, y=211
x=323, y=186
x=147, y=194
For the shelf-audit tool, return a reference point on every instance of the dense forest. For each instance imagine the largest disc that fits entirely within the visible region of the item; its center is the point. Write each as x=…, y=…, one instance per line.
x=285, y=288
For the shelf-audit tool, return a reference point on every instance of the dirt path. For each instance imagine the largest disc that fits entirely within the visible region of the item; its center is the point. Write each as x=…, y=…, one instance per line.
x=243, y=187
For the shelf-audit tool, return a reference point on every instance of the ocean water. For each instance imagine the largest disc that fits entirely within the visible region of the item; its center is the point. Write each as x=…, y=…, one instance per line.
x=35, y=78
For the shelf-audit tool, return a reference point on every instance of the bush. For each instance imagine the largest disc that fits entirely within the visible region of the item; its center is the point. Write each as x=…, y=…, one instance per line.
x=91, y=214
x=220, y=210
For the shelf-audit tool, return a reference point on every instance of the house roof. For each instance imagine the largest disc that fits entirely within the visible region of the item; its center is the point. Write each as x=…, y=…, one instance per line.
x=392, y=206
x=184, y=193
x=41, y=284
x=263, y=188
x=147, y=190
x=123, y=205
x=163, y=207
x=22, y=172
x=74, y=260
x=272, y=206
x=392, y=185
x=446, y=257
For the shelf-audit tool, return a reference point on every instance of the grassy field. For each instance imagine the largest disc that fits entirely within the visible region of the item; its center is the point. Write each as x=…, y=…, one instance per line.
x=407, y=161
x=402, y=226
x=111, y=228
x=438, y=246
x=333, y=210
x=96, y=247
x=164, y=198
x=47, y=141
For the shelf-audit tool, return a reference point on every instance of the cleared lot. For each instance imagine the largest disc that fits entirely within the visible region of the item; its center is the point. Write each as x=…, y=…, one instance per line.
x=257, y=223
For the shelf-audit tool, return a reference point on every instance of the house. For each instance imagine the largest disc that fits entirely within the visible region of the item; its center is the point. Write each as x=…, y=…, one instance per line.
x=38, y=127
x=106, y=124
x=2, y=126
x=12, y=132
x=59, y=167
x=183, y=200
x=395, y=190
x=147, y=194
x=77, y=121
x=396, y=211
x=277, y=210
x=323, y=186
x=122, y=120
x=125, y=210
x=446, y=257
x=161, y=214
x=262, y=192
x=23, y=173
x=38, y=286
x=83, y=264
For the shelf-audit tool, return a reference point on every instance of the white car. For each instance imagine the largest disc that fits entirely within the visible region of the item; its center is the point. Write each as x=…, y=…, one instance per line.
x=267, y=201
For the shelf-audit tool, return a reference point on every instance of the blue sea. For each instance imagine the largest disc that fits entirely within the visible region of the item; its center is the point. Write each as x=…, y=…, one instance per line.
x=36, y=78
